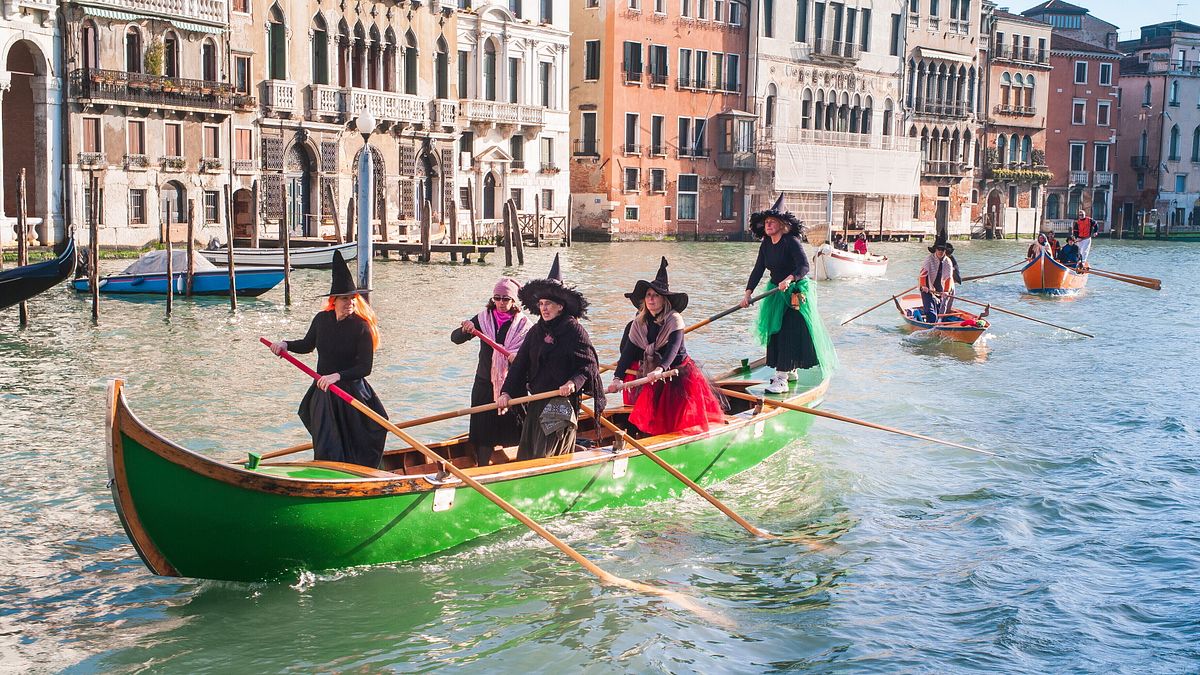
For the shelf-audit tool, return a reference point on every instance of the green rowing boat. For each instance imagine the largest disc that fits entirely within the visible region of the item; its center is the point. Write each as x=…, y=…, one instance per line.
x=192, y=516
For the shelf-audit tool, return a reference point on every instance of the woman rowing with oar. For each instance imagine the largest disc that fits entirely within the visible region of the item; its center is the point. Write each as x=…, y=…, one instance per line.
x=788, y=322
x=503, y=323
x=345, y=336
x=557, y=355
x=653, y=341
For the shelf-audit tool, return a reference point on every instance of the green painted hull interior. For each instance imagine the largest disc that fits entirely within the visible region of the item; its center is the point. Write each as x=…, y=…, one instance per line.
x=210, y=529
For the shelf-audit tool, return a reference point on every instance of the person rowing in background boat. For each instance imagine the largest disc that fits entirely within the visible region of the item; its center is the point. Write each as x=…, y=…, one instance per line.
x=860, y=244
x=654, y=342
x=949, y=299
x=1040, y=243
x=936, y=281
x=503, y=322
x=788, y=322
x=345, y=335
x=557, y=354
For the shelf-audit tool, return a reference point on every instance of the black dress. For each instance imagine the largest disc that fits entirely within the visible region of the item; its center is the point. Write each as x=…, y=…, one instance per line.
x=792, y=347
x=489, y=429
x=339, y=432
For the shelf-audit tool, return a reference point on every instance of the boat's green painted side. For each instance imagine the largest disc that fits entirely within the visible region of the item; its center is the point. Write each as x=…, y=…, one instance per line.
x=212, y=529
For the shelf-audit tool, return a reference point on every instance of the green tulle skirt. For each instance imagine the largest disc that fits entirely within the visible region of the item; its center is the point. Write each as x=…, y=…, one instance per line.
x=770, y=320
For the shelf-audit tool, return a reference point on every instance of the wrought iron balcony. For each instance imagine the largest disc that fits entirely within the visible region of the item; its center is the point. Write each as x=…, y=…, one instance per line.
x=633, y=72
x=659, y=79
x=631, y=148
x=136, y=162
x=1015, y=110
x=517, y=165
x=243, y=166
x=737, y=161
x=836, y=50
x=1020, y=55
x=586, y=147
x=92, y=159
x=941, y=109
x=118, y=86
x=692, y=152
x=172, y=163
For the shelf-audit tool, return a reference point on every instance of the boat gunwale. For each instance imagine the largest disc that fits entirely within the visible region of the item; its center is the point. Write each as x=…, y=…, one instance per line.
x=1072, y=281
x=953, y=332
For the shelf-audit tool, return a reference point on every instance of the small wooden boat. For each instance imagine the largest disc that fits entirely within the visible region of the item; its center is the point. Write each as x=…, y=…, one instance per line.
x=22, y=283
x=830, y=263
x=316, y=257
x=193, y=516
x=1044, y=274
x=149, y=276
x=958, y=325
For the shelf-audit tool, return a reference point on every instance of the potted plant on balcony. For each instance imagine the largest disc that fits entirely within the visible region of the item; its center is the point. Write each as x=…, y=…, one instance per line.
x=153, y=58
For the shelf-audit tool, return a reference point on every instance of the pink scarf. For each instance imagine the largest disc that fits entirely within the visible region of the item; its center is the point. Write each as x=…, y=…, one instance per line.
x=490, y=322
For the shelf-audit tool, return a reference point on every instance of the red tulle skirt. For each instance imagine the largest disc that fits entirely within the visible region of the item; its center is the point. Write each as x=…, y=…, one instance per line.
x=686, y=403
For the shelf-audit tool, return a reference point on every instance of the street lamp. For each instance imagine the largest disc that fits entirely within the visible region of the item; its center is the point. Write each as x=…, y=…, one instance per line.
x=365, y=123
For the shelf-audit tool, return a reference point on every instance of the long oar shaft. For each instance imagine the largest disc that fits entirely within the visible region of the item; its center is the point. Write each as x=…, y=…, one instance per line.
x=492, y=343
x=1131, y=276
x=1021, y=316
x=727, y=312
x=881, y=304
x=993, y=274
x=842, y=418
x=620, y=433
x=1152, y=285
x=665, y=375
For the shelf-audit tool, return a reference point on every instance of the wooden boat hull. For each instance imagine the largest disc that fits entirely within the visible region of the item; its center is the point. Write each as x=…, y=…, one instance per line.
x=830, y=263
x=966, y=327
x=22, y=283
x=314, y=257
x=189, y=515
x=251, y=282
x=1047, y=276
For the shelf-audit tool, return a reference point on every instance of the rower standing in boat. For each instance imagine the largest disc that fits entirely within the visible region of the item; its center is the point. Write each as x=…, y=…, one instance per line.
x=345, y=336
x=654, y=342
x=788, y=322
x=557, y=354
x=503, y=322
x=936, y=281
x=1084, y=229
x=948, y=300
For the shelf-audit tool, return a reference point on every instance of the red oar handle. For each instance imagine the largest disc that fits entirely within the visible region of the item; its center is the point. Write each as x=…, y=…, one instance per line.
x=333, y=388
x=491, y=343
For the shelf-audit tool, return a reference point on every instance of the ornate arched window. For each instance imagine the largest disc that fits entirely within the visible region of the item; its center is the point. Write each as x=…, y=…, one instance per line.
x=89, y=47
x=277, y=44
x=320, y=50
x=410, y=63
x=133, y=50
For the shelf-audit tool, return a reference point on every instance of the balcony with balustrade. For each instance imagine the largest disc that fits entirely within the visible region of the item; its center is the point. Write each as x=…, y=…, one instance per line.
x=498, y=113
x=279, y=97
x=1079, y=178
x=835, y=50
x=1104, y=179
x=941, y=109
x=1025, y=55
x=737, y=160
x=443, y=112
x=155, y=91
x=208, y=11
x=387, y=107
x=945, y=169
x=1014, y=110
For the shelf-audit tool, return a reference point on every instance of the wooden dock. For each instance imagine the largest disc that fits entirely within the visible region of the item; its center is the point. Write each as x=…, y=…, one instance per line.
x=417, y=250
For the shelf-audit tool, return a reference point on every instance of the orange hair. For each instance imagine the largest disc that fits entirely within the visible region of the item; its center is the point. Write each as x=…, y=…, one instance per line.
x=364, y=311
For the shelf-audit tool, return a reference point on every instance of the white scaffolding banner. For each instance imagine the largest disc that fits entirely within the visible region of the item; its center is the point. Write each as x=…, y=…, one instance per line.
x=807, y=168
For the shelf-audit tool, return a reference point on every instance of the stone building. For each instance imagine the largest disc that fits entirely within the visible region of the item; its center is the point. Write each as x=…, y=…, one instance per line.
x=827, y=84
x=149, y=108
x=662, y=138
x=30, y=118
x=1014, y=167
x=942, y=103
x=1159, y=150
x=1082, y=131
x=1074, y=22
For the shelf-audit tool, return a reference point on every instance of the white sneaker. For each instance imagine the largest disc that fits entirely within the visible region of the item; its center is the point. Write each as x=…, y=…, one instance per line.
x=793, y=376
x=777, y=385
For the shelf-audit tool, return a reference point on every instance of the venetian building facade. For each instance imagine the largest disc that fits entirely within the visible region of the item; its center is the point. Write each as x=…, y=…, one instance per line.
x=149, y=107
x=827, y=86
x=661, y=136
x=1014, y=166
x=512, y=79
x=30, y=118
x=316, y=66
x=1159, y=148
x=943, y=86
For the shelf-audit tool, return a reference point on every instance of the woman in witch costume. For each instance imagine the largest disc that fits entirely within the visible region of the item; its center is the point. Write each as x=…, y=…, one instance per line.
x=345, y=336
x=557, y=355
x=653, y=342
x=503, y=322
x=788, y=322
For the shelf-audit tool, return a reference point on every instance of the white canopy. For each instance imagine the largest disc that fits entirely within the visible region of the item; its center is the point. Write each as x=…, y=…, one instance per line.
x=155, y=262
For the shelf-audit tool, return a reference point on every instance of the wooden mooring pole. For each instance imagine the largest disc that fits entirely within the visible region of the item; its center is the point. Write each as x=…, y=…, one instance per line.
x=94, y=246
x=191, y=247
x=285, y=239
x=170, y=272
x=22, y=243
x=229, y=248
x=515, y=221
x=507, y=229
x=427, y=232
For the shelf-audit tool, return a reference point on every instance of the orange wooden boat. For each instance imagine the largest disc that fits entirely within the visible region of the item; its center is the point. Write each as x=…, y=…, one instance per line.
x=958, y=325
x=1044, y=274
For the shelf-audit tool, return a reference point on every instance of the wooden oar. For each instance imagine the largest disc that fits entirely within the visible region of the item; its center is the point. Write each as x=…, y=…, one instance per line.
x=491, y=343
x=993, y=274
x=604, y=577
x=1154, y=285
x=872, y=309
x=752, y=529
x=727, y=312
x=1022, y=316
x=1131, y=276
x=665, y=375
x=842, y=418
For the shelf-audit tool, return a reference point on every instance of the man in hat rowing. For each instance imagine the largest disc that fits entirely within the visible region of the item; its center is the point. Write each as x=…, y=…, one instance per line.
x=345, y=336
x=936, y=281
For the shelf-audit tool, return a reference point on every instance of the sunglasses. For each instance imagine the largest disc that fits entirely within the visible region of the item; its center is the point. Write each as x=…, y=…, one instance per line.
x=499, y=298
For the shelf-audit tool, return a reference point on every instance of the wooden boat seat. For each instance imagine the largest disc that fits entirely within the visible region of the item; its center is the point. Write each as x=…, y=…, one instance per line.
x=355, y=469
x=739, y=384
x=434, y=467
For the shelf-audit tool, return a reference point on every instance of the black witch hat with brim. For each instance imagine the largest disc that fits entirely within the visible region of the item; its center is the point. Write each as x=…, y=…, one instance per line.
x=940, y=243
x=553, y=288
x=343, y=284
x=678, y=300
x=758, y=219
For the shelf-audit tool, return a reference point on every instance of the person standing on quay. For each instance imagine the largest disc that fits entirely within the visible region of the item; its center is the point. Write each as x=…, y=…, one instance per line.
x=788, y=322
x=345, y=336
x=503, y=322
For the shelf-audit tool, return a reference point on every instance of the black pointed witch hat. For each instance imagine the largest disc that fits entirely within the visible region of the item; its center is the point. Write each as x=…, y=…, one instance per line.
x=553, y=288
x=678, y=300
x=758, y=219
x=343, y=283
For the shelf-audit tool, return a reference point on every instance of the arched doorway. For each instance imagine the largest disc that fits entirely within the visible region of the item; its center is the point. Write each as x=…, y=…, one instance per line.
x=243, y=213
x=995, y=211
x=21, y=141
x=489, y=196
x=174, y=208
x=299, y=169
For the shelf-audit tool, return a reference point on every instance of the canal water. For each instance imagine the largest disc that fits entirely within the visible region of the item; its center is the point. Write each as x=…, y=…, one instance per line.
x=1075, y=551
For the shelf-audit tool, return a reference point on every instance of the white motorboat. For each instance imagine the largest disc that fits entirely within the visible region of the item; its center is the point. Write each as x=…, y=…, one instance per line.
x=830, y=263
